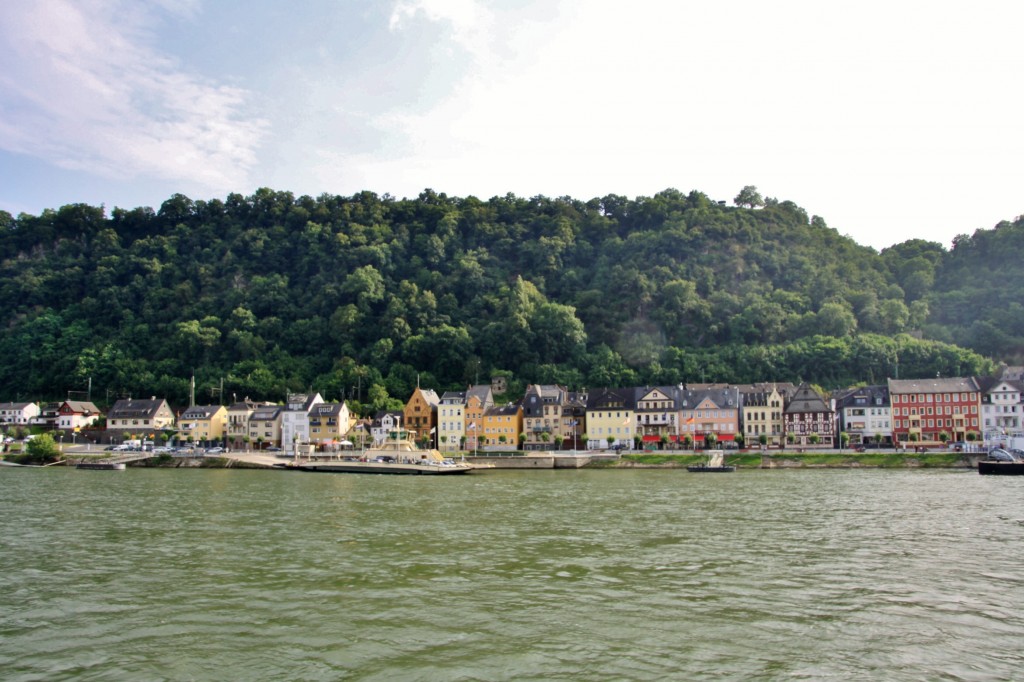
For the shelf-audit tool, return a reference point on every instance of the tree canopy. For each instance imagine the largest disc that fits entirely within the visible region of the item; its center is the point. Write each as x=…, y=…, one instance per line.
x=361, y=296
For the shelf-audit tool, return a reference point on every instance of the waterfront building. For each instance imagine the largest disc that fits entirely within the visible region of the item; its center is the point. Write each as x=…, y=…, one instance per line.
x=761, y=412
x=139, y=418
x=809, y=420
x=265, y=426
x=924, y=409
x=611, y=418
x=502, y=425
x=295, y=419
x=657, y=414
x=420, y=414
x=18, y=414
x=329, y=424
x=451, y=420
x=383, y=424
x=864, y=414
x=203, y=424
x=542, y=416
x=709, y=408
x=478, y=399
x=47, y=417
x=237, y=431
x=1001, y=408
x=74, y=415
x=574, y=419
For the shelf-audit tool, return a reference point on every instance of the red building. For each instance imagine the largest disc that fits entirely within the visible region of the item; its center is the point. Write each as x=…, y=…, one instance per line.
x=923, y=409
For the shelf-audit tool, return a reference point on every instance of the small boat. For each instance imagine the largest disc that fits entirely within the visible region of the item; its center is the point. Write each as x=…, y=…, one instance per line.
x=396, y=454
x=715, y=464
x=1002, y=462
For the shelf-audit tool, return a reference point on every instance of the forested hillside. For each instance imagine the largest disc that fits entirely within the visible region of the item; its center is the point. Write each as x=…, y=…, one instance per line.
x=358, y=297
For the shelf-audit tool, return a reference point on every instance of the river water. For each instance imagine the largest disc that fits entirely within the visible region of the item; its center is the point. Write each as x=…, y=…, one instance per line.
x=574, y=575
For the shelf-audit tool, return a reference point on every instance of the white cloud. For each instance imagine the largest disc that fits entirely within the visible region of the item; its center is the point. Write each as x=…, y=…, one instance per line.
x=82, y=89
x=856, y=112
x=470, y=23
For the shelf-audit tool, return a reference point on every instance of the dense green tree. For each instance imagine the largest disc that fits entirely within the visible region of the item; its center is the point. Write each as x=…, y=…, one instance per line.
x=270, y=292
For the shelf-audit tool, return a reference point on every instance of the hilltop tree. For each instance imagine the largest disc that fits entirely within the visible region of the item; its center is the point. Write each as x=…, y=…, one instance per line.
x=749, y=197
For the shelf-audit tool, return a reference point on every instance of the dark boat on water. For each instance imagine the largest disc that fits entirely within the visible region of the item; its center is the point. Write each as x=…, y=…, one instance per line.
x=1002, y=462
x=714, y=464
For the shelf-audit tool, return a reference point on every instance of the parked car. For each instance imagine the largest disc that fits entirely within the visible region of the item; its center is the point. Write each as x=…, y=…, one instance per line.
x=215, y=451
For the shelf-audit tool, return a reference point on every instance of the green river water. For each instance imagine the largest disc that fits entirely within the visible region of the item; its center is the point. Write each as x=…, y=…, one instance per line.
x=155, y=574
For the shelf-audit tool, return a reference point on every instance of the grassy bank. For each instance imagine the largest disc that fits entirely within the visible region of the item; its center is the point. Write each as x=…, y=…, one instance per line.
x=798, y=460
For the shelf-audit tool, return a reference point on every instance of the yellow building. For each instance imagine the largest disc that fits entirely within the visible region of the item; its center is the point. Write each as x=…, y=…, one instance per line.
x=329, y=424
x=762, y=412
x=203, y=424
x=502, y=426
x=611, y=419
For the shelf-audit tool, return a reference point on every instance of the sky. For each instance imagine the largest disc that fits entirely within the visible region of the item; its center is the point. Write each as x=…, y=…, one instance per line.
x=892, y=120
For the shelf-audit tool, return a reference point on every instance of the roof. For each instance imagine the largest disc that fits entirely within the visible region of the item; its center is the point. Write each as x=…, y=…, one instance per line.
x=807, y=400
x=136, y=409
x=302, y=402
x=265, y=413
x=245, y=405
x=611, y=399
x=870, y=395
x=936, y=385
x=14, y=406
x=481, y=392
x=328, y=409
x=502, y=410
x=429, y=396
x=724, y=397
x=200, y=412
x=81, y=406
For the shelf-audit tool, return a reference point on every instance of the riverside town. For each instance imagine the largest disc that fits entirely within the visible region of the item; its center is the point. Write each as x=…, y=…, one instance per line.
x=964, y=414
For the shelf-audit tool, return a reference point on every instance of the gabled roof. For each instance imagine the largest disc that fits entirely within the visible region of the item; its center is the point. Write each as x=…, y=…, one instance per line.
x=429, y=396
x=136, y=409
x=453, y=398
x=200, y=412
x=14, y=406
x=328, y=409
x=81, y=407
x=646, y=394
x=611, y=399
x=784, y=389
x=806, y=401
x=378, y=418
x=481, y=392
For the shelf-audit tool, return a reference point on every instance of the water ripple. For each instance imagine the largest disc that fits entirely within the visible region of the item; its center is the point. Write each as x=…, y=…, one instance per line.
x=641, y=575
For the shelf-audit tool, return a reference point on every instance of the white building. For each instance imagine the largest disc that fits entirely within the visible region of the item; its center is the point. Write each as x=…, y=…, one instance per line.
x=18, y=414
x=295, y=420
x=451, y=420
x=1002, y=414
